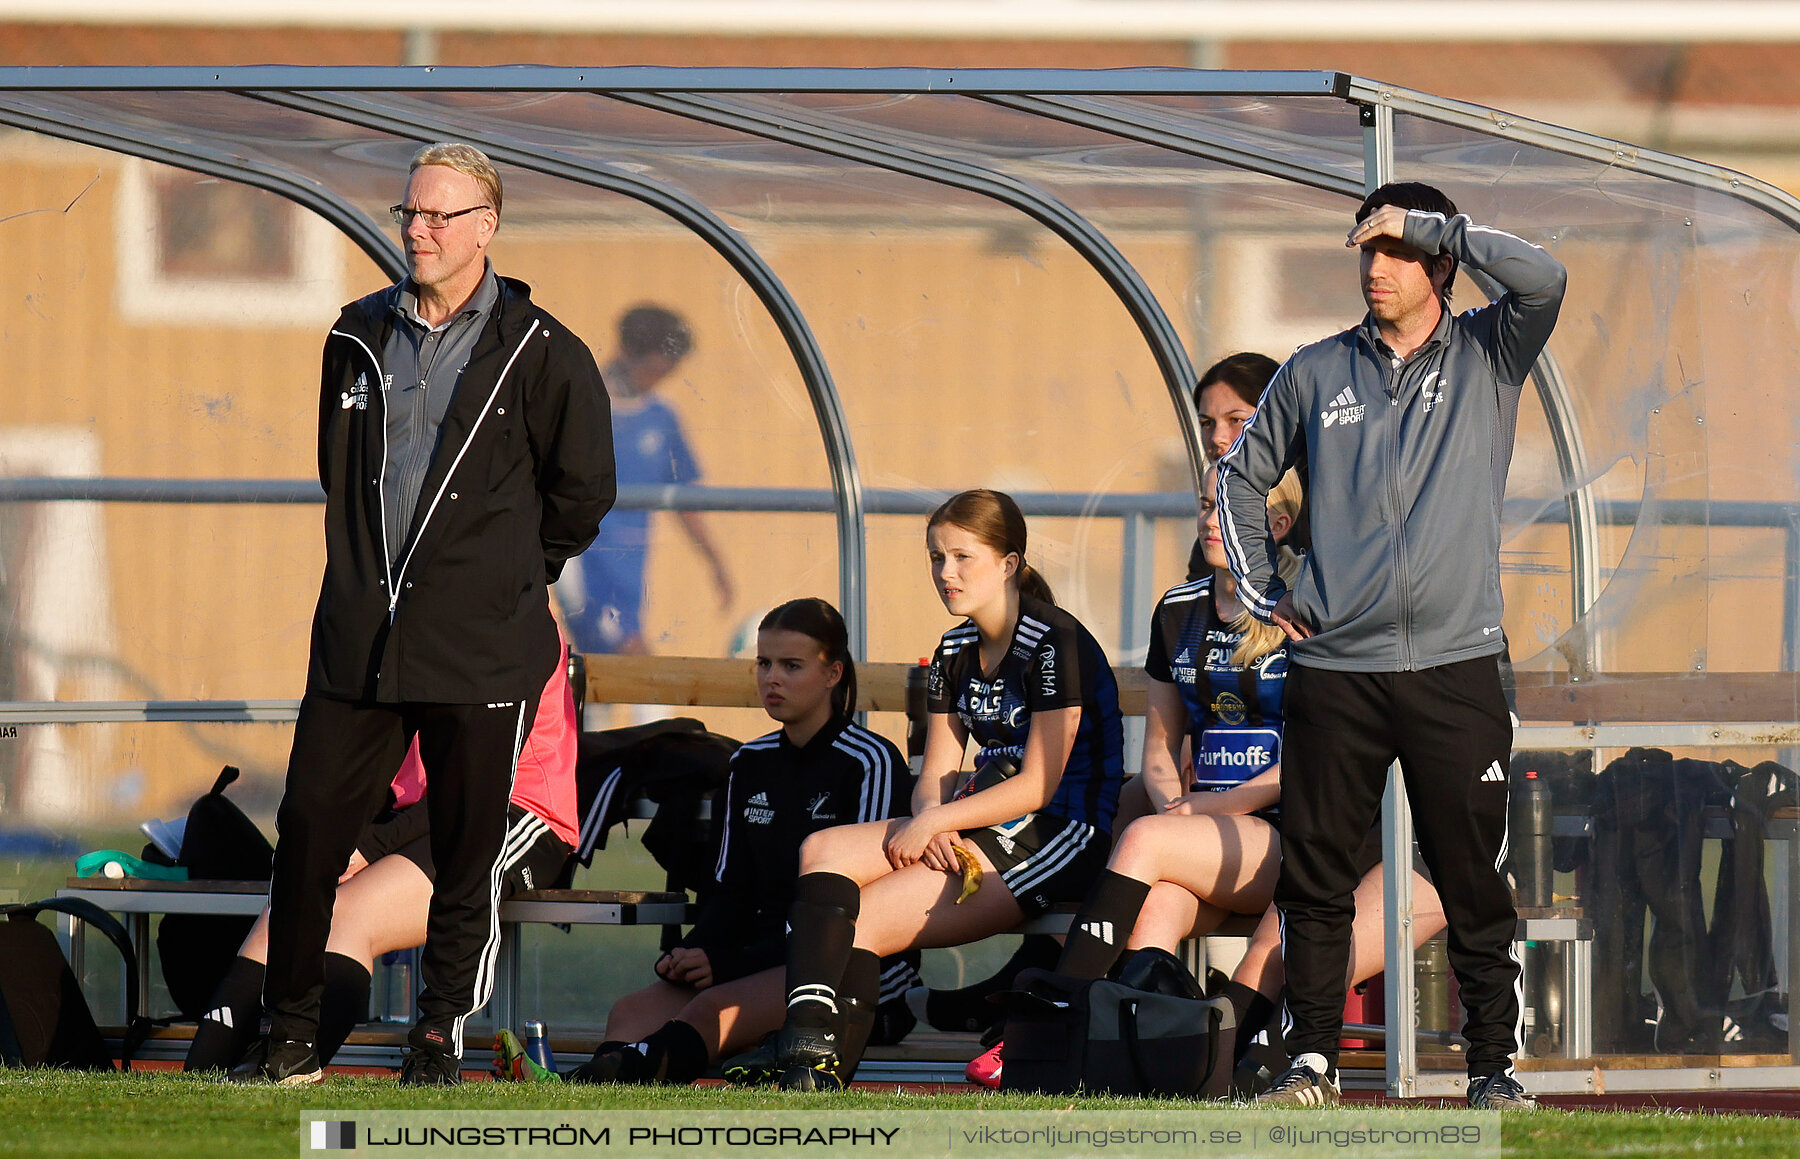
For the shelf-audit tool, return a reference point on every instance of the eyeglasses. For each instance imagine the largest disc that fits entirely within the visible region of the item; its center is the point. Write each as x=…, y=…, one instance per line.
x=433, y=218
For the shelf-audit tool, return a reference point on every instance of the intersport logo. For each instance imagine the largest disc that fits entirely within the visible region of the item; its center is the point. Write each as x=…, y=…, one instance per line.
x=1343, y=410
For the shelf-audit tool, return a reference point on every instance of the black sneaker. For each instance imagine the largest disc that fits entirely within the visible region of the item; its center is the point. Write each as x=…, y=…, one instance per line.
x=808, y=1050
x=615, y=1062
x=285, y=1063
x=755, y=1067
x=806, y=1078
x=1499, y=1092
x=814, y=1047
x=429, y=1062
x=1308, y=1083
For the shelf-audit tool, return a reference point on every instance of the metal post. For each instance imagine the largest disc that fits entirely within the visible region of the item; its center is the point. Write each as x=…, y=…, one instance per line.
x=1396, y=826
x=1397, y=891
x=1137, y=598
x=1137, y=585
x=1793, y=939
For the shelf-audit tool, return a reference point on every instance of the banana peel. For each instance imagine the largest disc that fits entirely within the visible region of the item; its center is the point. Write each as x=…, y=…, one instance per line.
x=971, y=873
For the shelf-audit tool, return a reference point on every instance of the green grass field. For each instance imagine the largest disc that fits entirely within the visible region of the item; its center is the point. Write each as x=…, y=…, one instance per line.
x=157, y=1114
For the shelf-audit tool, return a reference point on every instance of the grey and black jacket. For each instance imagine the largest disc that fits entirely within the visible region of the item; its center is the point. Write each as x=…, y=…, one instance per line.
x=1405, y=467
x=521, y=476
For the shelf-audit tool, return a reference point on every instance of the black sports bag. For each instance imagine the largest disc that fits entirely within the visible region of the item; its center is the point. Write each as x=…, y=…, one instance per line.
x=1065, y=1034
x=219, y=844
x=44, y=1018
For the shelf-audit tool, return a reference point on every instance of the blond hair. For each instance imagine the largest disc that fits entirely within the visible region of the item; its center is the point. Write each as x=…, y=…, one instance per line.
x=466, y=159
x=1260, y=639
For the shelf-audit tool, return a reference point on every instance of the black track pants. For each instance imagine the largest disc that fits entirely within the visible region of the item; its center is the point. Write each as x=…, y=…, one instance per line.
x=1448, y=727
x=344, y=757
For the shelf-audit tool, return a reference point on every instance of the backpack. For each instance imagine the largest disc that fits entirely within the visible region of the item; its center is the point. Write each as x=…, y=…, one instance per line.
x=219, y=844
x=44, y=1017
x=1065, y=1034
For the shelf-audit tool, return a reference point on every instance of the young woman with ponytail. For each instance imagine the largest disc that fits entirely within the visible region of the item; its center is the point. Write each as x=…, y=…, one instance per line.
x=1032, y=687
x=720, y=988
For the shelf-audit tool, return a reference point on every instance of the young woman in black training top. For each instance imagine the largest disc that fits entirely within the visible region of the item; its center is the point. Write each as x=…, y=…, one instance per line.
x=1032, y=687
x=720, y=988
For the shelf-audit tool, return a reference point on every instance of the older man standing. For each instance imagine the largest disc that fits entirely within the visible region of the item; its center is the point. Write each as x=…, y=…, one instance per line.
x=465, y=449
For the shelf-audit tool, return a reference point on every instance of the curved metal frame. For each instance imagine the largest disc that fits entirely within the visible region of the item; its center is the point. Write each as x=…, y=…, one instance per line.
x=825, y=134
x=424, y=123
x=361, y=228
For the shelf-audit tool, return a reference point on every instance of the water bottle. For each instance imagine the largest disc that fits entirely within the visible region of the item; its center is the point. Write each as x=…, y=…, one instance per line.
x=1431, y=981
x=1532, y=830
x=398, y=1006
x=537, y=1046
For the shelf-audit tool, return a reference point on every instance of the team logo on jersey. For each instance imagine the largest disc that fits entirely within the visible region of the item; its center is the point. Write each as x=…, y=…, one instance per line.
x=1229, y=708
x=357, y=396
x=649, y=443
x=1274, y=664
x=1343, y=410
x=1433, y=391
x=817, y=806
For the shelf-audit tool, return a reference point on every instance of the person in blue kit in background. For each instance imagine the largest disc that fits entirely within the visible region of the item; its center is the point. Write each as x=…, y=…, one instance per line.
x=602, y=591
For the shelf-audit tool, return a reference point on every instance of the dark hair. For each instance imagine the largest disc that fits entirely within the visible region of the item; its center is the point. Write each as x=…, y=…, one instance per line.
x=1414, y=195
x=994, y=519
x=816, y=618
x=1246, y=373
x=649, y=329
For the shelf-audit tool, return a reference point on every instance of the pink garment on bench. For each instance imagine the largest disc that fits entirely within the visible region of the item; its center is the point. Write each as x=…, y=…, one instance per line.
x=545, y=780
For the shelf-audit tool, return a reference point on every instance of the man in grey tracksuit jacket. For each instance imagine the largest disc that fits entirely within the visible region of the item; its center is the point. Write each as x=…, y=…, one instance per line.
x=1395, y=620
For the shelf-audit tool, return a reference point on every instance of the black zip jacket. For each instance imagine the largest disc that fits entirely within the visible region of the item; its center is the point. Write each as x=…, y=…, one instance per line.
x=522, y=474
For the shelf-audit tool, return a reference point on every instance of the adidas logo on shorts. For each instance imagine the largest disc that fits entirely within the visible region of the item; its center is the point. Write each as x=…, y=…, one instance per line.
x=1494, y=773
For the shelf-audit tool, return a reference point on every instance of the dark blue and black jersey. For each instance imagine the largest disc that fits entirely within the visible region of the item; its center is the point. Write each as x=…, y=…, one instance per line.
x=1053, y=662
x=1234, y=713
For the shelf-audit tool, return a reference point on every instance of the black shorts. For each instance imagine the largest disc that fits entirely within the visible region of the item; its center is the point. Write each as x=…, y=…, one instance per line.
x=1045, y=860
x=533, y=857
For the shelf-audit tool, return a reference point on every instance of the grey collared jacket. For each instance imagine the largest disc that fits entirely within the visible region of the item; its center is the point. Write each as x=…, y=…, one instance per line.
x=1405, y=467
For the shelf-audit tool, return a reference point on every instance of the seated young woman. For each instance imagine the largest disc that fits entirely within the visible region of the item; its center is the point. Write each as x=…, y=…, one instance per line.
x=720, y=988
x=1224, y=399
x=1211, y=846
x=1032, y=687
x=384, y=894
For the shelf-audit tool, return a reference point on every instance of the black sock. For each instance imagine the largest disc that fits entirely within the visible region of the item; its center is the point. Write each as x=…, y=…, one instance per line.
x=234, y=1019
x=344, y=1004
x=1251, y=1012
x=675, y=1053
x=1100, y=930
x=859, y=996
x=968, y=1008
x=821, y=930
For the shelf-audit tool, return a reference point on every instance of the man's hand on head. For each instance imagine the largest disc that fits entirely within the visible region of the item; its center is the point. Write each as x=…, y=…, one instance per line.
x=1385, y=221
